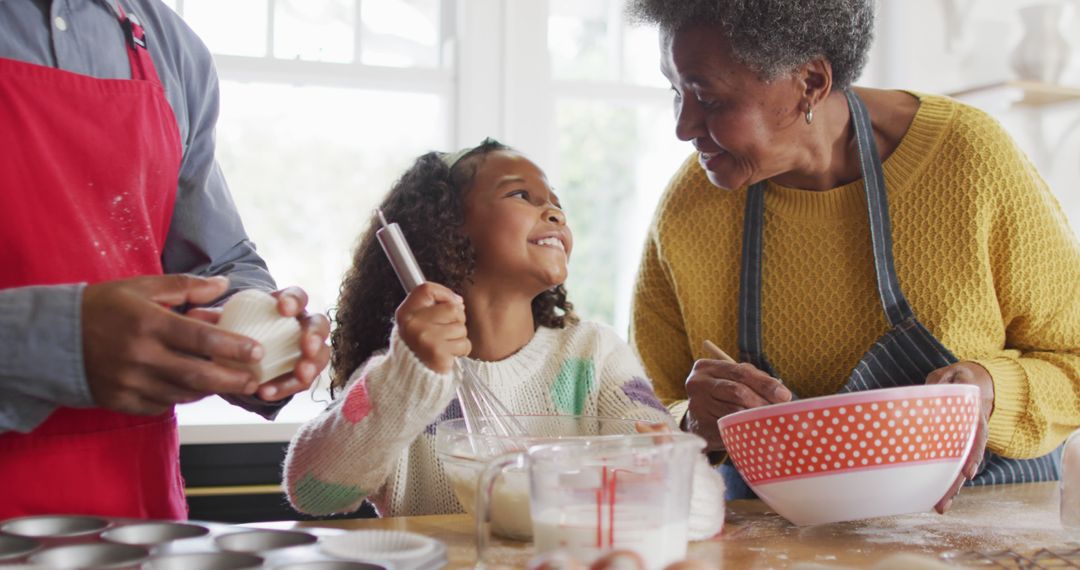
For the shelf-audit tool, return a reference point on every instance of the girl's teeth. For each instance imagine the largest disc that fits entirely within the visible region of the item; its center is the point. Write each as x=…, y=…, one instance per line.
x=552, y=242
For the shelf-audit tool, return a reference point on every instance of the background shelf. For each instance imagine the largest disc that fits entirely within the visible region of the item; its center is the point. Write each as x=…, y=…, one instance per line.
x=1022, y=93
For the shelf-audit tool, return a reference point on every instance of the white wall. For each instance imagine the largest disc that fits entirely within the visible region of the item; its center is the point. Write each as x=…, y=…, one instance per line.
x=920, y=47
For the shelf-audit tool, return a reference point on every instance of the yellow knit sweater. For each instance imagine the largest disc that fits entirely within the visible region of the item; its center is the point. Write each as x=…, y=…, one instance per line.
x=983, y=252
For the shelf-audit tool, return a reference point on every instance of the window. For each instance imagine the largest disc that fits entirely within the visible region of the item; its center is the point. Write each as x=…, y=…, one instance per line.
x=323, y=104
x=609, y=142
x=326, y=102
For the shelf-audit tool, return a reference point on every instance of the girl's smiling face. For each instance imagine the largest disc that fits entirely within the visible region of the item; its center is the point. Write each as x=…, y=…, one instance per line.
x=516, y=226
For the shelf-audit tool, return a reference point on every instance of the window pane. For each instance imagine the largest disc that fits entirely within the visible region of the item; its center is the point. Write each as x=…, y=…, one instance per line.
x=235, y=27
x=641, y=57
x=306, y=166
x=614, y=163
x=400, y=33
x=314, y=30
x=580, y=41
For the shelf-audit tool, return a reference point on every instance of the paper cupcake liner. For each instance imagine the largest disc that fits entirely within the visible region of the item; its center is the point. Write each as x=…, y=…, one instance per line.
x=254, y=314
x=386, y=545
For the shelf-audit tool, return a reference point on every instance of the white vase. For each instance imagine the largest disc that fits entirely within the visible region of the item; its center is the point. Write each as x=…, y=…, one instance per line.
x=1042, y=54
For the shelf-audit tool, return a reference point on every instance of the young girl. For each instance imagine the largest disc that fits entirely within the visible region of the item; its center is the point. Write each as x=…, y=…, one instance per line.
x=492, y=240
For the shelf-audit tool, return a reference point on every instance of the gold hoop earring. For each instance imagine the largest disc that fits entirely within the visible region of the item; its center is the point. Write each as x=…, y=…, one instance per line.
x=809, y=115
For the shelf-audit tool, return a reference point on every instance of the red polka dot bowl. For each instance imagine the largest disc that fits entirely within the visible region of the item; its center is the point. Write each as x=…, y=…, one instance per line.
x=855, y=455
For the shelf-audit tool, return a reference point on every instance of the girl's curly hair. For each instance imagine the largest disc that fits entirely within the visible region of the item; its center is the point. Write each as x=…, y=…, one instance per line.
x=428, y=203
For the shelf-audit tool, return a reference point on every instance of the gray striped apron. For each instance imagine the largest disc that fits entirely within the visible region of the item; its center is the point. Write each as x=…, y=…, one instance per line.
x=905, y=355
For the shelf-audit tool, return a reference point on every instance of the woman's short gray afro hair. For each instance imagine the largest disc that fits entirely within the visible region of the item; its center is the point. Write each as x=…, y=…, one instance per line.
x=774, y=37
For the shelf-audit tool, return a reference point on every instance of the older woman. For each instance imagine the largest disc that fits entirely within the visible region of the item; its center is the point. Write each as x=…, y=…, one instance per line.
x=859, y=238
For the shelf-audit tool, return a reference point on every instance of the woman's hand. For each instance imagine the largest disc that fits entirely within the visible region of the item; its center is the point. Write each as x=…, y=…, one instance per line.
x=716, y=388
x=431, y=320
x=967, y=373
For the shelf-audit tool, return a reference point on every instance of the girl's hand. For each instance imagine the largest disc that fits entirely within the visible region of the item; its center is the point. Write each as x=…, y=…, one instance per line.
x=654, y=427
x=717, y=388
x=431, y=321
x=651, y=427
x=615, y=560
x=967, y=373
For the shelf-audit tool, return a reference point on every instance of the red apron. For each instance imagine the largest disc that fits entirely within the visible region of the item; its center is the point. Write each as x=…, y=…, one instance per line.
x=88, y=176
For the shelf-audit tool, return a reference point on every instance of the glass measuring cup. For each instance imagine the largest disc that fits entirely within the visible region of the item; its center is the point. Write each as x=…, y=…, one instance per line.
x=590, y=496
x=1070, y=482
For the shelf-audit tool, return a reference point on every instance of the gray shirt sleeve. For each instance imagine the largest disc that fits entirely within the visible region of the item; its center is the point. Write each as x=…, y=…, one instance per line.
x=206, y=236
x=41, y=363
x=41, y=353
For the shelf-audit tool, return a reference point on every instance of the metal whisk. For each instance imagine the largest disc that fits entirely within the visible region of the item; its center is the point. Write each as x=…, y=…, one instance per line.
x=482, y=411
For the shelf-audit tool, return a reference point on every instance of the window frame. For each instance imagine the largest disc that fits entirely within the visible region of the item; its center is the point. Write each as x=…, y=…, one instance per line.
x=490, y=54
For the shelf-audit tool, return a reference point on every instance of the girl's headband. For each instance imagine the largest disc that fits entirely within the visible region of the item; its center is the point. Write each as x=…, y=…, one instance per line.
x=452, y=158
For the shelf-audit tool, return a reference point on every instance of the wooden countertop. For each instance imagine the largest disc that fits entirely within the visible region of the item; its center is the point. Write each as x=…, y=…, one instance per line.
x=1021, y=517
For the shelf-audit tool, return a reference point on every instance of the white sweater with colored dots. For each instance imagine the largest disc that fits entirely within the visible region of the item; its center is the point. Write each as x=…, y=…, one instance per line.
x=375, y=440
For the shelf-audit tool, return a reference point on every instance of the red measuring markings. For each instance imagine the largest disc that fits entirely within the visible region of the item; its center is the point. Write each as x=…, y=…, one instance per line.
x=605, y=494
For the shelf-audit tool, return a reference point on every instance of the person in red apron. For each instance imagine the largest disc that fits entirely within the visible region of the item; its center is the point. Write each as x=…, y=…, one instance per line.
x=89, y=176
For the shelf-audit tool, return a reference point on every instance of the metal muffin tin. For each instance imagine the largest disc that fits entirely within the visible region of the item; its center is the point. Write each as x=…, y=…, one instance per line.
x=72, y=541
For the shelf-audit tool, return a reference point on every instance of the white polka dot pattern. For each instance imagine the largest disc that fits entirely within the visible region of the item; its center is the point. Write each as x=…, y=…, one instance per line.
x=843, y=438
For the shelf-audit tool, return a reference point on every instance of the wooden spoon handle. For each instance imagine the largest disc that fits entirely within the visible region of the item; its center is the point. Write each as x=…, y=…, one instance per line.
x=716, y=352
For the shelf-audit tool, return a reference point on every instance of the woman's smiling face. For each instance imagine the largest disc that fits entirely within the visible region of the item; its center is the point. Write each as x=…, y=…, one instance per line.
x=516, y=225
x=742, y=127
